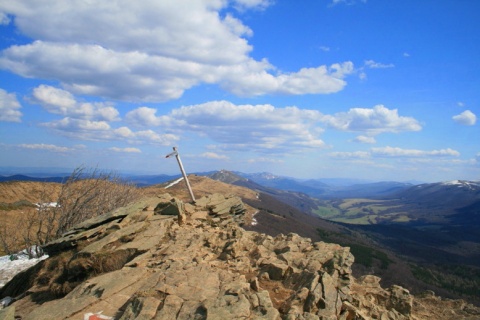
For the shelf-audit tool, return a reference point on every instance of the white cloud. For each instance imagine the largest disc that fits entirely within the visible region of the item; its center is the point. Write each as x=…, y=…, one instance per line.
x=257, y=127
x=350, y=155
x=125, y=150
x=241, y=81
x=324, y=48
x=377, y=65
x=265, y=160
x=265, y=128
x=91, y=121
x=346, y=2
x=146, y=116
x=46, y=147
x=399, y=152
x=467, y=118
x=411, y=155
x=163, y=49
x=364, y=139
x=373, y=121
x=260, y=127
x=259, y=4
x=58, y=101
x=4, y=19
x=213, y=155
x=9, y=106
x=101, y=131
x=406, y=54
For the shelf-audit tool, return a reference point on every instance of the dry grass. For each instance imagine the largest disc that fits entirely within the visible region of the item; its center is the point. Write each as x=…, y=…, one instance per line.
x=12, y=192
x=14, y=221
x=201, y=186
x=85, y=194
x=33, y=192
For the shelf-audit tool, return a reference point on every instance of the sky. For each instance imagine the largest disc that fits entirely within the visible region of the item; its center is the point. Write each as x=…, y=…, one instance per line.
x=366, y=89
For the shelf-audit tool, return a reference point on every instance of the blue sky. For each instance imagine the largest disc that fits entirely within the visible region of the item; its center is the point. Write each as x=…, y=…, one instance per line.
x=379, y=90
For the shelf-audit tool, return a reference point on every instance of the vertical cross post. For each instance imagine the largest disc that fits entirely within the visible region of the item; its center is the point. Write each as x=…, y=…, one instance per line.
x=175, y=153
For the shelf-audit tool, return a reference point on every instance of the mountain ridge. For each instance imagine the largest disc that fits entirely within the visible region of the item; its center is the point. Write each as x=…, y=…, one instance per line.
x=181, y=260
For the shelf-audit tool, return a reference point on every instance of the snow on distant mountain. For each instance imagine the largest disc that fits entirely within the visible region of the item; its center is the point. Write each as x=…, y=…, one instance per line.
x=462, y=184
x=447, y=194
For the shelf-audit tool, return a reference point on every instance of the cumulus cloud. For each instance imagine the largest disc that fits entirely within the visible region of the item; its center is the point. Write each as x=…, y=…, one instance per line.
x=9, y=107
x=91, y=120
x=102, y=131
x=399, y=152
x=240, y=127
x=466, y=118
x=268, y=128
x=213, y=155
x=364, y=139
x=373, y=121
x=151, y=50
x=58, y=101
x=145, y=116
x=323, y=79
x=46, y=147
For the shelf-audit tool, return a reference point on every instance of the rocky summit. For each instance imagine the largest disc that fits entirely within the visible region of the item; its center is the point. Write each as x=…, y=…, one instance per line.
x=162, y=258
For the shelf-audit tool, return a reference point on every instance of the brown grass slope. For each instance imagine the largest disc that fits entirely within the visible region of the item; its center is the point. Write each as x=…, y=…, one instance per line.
x=13, y=191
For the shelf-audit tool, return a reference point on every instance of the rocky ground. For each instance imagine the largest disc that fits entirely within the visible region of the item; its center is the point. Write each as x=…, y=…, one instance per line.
x=162, y=258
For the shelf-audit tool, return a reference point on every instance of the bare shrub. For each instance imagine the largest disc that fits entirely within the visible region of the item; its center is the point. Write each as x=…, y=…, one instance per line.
x=9, y=241
x=85, y=194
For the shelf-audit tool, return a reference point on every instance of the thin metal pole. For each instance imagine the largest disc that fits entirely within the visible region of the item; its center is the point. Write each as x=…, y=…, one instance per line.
x=175, y=152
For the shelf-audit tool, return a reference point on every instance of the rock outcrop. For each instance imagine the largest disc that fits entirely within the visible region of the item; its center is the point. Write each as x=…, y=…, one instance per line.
x=162, y=258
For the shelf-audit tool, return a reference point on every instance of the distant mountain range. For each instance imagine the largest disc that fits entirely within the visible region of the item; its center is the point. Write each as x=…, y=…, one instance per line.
x=21, y=177
x=440, y=193
x=328, y=188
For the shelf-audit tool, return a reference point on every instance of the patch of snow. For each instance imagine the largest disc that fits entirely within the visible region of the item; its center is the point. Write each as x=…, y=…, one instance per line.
x=254, y=221
x=5, y=302
x=9, y=268
x=46, y=205
x=462, y=184
x=453, y=182
x=174, y=183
